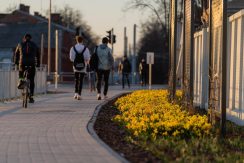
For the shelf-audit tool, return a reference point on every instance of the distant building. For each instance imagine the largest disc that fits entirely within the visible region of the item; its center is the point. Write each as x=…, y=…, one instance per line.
x=14, y=25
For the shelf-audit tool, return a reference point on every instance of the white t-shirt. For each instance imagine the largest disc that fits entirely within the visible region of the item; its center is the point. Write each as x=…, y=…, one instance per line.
x=80, y=47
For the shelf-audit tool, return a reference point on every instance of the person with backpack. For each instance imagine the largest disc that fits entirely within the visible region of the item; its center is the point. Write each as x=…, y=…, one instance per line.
x=104, y=65
x=80, y=56
x=27, y=57
x=126, y=70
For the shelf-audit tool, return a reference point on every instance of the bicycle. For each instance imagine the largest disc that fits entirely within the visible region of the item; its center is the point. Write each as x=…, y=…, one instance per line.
x=26, y=87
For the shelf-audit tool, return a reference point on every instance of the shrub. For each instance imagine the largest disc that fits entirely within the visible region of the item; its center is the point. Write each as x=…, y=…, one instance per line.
x=149, y=113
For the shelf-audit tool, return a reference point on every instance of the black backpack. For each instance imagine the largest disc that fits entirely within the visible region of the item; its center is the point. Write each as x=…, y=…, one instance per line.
x=94, y=61
x=126, y=66
x=79, y=62
x=28, y=53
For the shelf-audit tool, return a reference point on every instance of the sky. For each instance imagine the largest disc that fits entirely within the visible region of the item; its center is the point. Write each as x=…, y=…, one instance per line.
x=101, y=15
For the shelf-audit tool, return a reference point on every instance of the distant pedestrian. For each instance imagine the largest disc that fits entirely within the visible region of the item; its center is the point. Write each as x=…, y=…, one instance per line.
x=105, y=64
x=80, y=56
x=126, y=70
x=120, y=67
x=27, y=57
x=143, y=72
x=91, y=77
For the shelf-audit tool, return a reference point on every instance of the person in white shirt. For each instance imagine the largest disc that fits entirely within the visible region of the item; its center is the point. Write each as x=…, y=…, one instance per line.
x=80, y=64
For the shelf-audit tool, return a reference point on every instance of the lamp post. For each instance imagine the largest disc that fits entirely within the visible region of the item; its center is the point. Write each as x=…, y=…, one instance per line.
x=134, y=56
x=49, y=41
x=224, y=69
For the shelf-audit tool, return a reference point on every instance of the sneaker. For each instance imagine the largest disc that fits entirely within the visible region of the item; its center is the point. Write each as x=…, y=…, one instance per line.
x=31, y=100
x=21, y=84
x=99, y=97
x=75, y=96
x=105, y=97
x=78, y=97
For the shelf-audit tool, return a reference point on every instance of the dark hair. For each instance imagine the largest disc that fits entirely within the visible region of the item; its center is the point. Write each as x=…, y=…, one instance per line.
x=79, y=39
x=27, y=36
x=105, y=40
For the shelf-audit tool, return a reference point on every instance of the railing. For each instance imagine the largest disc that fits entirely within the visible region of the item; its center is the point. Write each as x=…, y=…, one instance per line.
x=9, y=80
x=201, y=55
x=6, y=66
x=235, y=69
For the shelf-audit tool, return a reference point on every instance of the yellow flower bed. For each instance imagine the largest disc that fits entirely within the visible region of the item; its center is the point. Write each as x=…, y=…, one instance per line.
x=150, y=113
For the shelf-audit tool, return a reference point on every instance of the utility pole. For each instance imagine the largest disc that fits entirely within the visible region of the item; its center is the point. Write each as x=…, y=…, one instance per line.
x=49, y=41
x=173, y=42
x=57, y=59
x=224, y=69
x=134, y=56
x=112, y=44
x=42, y=48
x=112, y=40
x=125, y=42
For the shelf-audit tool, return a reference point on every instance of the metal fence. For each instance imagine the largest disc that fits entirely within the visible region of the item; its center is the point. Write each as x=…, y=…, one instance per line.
x=235, y=69
x=9, y=80
x=201, y=64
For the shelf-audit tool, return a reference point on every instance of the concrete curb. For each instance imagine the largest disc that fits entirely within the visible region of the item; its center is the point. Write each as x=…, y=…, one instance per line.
x=91, y=131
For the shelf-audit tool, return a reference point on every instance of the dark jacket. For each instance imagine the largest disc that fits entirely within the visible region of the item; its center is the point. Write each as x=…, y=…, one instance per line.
x=126, y=66
x=143, y=67
x=27, y=54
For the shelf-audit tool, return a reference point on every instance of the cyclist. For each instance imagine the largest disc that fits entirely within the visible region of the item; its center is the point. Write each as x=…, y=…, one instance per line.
x=27, y=56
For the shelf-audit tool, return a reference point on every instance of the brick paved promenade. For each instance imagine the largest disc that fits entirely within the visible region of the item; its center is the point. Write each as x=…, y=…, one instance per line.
x=52, y=130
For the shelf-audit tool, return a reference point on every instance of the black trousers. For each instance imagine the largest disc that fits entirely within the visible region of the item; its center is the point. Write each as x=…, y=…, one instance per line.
x=105, y=75
x=79, y=76
x=31, y=77
x=143, y=78
x=125, y=76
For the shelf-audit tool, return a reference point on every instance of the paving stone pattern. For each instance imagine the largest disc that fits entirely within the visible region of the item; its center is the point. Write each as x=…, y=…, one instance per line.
x=52, y=130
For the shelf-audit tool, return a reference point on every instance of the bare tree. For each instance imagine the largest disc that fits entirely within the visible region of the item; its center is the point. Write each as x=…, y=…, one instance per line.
x=155, y=6
x=73, y=19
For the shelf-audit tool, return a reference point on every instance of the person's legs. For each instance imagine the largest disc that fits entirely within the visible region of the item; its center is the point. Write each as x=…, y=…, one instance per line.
x=99, y=81
x=81, y=77
x=76, y=83
x=32, y=73
x=128, y=81
x=123, y=80
x=93, y=81
x=106, y=77
x=31, y=77
x=141, y=79
x=144, y=76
